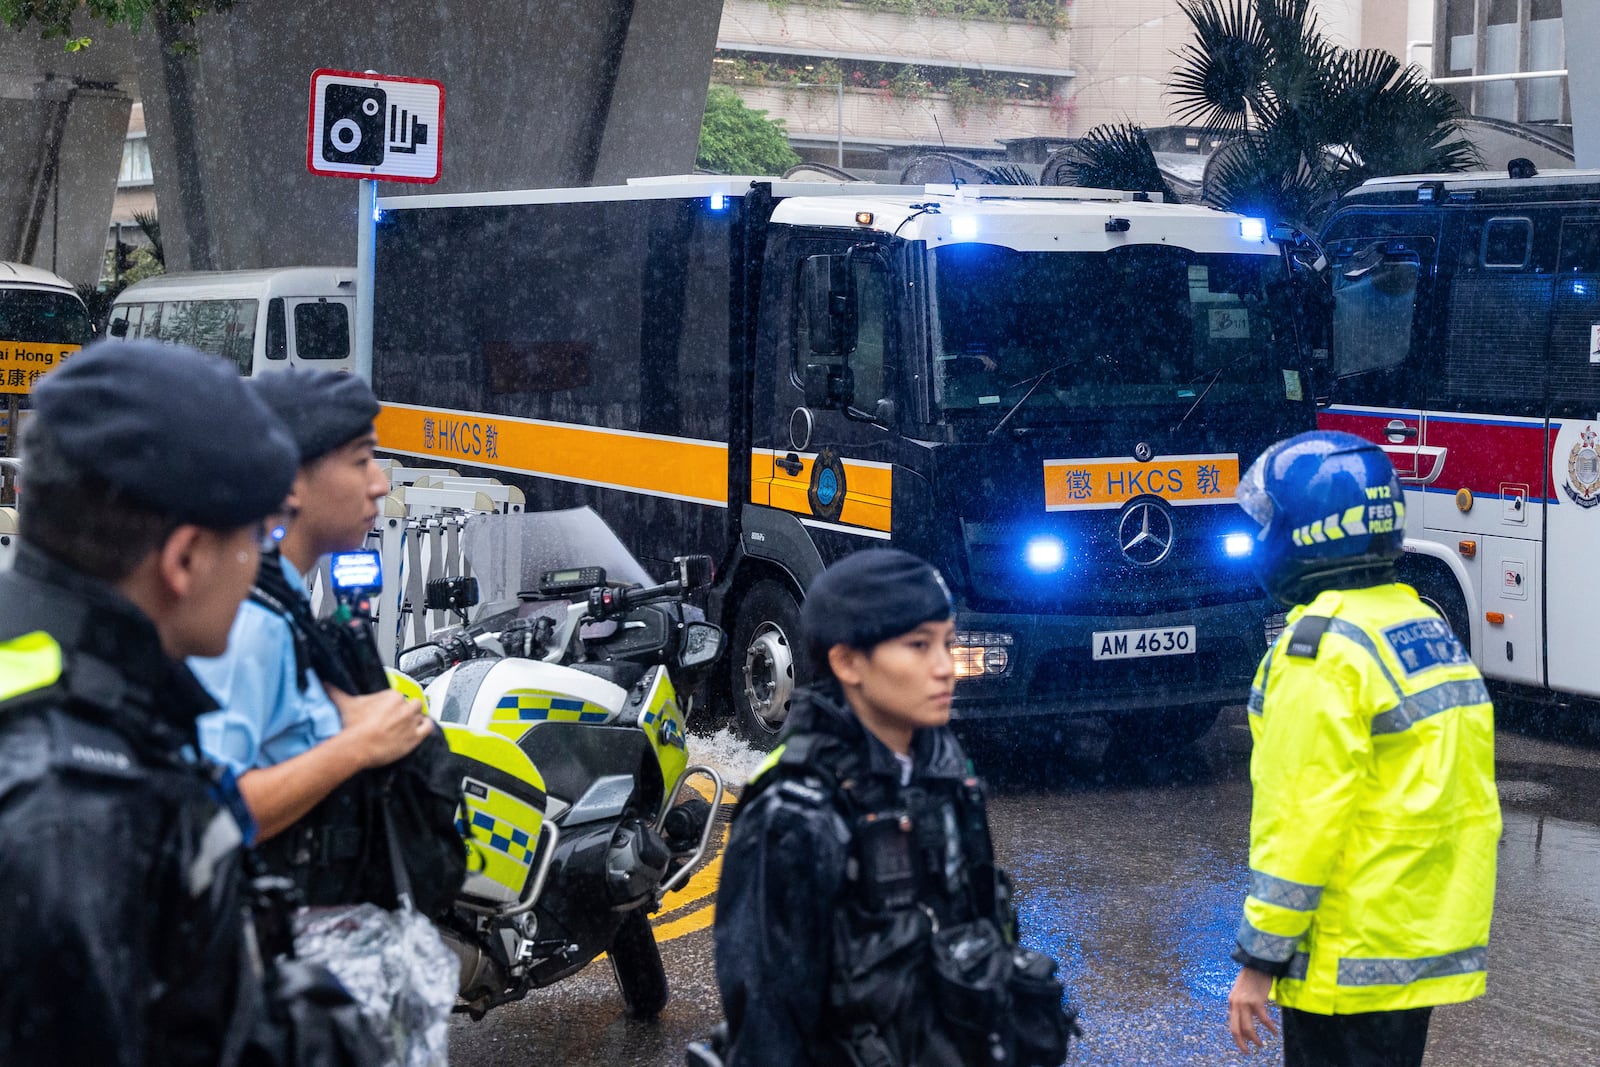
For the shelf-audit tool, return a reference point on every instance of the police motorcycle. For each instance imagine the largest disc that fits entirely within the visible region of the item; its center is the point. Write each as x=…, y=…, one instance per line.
x=564, y=701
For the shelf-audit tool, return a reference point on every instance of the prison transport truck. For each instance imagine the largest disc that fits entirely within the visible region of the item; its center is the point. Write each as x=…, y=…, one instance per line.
x=1049, y=393
x=1466, y=342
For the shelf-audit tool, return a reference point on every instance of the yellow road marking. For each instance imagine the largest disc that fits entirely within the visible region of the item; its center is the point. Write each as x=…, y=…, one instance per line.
x=698, y=919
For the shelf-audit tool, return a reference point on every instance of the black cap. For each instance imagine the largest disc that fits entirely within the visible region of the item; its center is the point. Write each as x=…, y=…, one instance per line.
x=322, y=408
x=868, y=597
x=173, y=429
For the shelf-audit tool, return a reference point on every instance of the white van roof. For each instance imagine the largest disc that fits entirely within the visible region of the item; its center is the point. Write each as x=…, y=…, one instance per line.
x=281, y=281
x=22, y=276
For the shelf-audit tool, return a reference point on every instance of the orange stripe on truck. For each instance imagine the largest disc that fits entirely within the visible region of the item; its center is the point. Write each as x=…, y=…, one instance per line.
x=658, y=465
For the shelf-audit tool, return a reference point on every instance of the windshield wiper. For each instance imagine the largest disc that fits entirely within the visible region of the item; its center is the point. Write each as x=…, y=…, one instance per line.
x=1038, y=380
x=1215, y=377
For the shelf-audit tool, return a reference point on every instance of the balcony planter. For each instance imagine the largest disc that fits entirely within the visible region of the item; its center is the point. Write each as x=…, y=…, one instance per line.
x=873, y=116
x=849, y=30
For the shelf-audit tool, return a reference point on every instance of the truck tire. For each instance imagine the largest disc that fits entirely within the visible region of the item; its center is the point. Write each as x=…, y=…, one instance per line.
x=766, y=662
x=636, y=964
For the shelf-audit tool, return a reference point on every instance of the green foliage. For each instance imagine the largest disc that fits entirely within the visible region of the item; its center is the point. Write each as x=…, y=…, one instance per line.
x=965, y=89
x=1051, y=14
x=64, y=18
x=1112, y=157
x=735, y=139
x=151, y=228
x=1304, y=119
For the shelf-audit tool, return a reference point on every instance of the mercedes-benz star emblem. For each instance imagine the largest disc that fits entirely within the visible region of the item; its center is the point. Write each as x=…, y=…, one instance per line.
x=1142, y=451
x=1145, y=533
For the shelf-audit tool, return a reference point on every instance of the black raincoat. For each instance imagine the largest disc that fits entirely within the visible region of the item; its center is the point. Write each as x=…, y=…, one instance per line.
x=121, y=930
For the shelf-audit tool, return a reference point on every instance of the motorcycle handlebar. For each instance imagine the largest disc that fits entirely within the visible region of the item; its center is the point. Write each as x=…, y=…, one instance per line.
x=605, y=602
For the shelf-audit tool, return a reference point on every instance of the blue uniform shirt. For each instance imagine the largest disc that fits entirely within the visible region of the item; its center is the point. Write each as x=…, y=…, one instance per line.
x=265, y=718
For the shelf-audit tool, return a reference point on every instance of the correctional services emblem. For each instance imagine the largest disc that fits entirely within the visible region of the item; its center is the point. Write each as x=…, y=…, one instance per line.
x=1583, y=470
x=827, y=490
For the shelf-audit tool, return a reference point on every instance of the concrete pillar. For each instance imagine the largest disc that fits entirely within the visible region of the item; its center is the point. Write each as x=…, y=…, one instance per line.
x=546, y=93
x=1581, y=27
x=62, y=122
x=653, y=124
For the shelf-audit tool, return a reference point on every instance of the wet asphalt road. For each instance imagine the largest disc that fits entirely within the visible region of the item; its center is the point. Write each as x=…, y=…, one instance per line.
x=1131, y=872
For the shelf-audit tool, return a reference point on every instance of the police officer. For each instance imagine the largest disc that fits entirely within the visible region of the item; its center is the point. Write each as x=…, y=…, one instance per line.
x=291, y=725
x=859, y=862
x=149, y=470
x=1375, y=817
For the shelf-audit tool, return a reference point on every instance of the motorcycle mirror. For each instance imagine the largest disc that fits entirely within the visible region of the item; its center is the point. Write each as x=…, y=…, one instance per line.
x=702, y=644
x=695, y=572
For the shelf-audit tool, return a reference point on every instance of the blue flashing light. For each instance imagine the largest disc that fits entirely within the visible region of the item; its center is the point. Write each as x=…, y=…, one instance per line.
x=1238, y=545
x=963, y=227
x=1580, y=288
x=1253, y=229
x=1045, y=554
x=718, y=201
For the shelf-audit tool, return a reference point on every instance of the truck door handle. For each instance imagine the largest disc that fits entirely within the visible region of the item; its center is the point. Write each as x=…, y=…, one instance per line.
x=791, y=465
x=1396, y=428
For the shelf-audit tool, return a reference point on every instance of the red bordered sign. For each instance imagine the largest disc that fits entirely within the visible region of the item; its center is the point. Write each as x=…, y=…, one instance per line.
x=374, y=126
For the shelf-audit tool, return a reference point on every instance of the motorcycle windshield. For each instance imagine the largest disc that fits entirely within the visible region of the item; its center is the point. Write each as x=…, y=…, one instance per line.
x=508, y=553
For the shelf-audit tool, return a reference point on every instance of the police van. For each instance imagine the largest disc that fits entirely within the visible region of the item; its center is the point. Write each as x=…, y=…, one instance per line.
x=1466, y=343
x=255, y=319
x=1047, y=392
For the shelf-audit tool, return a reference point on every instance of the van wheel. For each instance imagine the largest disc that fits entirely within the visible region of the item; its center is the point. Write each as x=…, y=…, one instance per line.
x=1437, y=588
x=767, y=662
x=1447, y=600
x=636, y=964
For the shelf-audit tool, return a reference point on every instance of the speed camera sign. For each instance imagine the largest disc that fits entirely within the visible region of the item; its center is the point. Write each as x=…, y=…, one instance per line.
x=374, y=126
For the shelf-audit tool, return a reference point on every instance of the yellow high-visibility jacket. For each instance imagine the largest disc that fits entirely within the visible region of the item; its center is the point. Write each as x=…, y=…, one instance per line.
x=1375, y=820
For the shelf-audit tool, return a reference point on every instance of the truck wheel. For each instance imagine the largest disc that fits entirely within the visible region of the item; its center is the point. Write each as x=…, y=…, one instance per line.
x=1447, y=600
x=766, y=663
x=636, y=963
x=1161, y=731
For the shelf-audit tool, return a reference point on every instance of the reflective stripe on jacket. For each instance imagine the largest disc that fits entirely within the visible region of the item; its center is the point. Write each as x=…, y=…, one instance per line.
x=28, y=663
x=1375, y=820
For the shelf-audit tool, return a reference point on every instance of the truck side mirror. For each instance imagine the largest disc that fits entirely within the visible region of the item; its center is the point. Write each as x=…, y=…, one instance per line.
x=829, y=386
x=118, y=328
x=829, y=302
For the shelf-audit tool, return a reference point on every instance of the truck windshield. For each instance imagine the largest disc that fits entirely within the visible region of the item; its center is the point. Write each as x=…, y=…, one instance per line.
x=1145, y=326
x=43, y=317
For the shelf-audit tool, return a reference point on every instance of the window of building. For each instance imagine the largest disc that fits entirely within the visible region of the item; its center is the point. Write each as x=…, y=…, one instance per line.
x=135, y=162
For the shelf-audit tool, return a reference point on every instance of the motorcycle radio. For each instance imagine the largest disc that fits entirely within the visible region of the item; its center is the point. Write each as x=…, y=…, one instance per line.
x=574, y=580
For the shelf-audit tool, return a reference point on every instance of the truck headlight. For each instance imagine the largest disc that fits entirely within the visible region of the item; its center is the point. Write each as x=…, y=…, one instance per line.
x=981, y=654
x=1275, y=625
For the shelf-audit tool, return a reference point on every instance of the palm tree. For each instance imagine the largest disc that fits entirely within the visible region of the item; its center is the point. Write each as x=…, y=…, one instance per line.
x=1302, y=120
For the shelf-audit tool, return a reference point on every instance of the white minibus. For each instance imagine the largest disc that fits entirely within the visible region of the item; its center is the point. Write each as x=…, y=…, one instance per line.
x=258, y=319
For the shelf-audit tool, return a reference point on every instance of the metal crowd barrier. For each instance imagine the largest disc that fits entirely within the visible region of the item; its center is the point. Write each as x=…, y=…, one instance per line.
x=418, y=537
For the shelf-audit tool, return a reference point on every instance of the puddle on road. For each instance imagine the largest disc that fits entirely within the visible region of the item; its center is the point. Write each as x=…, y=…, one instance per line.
x=726, y=753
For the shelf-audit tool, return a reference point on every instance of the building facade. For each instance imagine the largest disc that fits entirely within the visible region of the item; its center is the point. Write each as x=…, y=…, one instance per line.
x=867, y=83
x=1473, y=38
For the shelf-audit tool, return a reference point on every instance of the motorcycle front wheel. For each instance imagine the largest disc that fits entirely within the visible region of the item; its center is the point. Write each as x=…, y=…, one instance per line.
x=636, y=963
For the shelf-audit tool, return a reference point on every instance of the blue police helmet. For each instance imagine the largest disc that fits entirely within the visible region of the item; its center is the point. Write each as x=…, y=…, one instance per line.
x=1328, y=503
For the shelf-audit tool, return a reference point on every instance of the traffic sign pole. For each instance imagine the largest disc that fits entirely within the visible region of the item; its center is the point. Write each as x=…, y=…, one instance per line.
x=366, y=270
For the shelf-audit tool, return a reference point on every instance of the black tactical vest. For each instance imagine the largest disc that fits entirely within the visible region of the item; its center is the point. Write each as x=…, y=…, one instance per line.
x=926, y=969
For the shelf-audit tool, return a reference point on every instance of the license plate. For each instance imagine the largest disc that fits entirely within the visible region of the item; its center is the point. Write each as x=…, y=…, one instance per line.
x=1135, y=644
